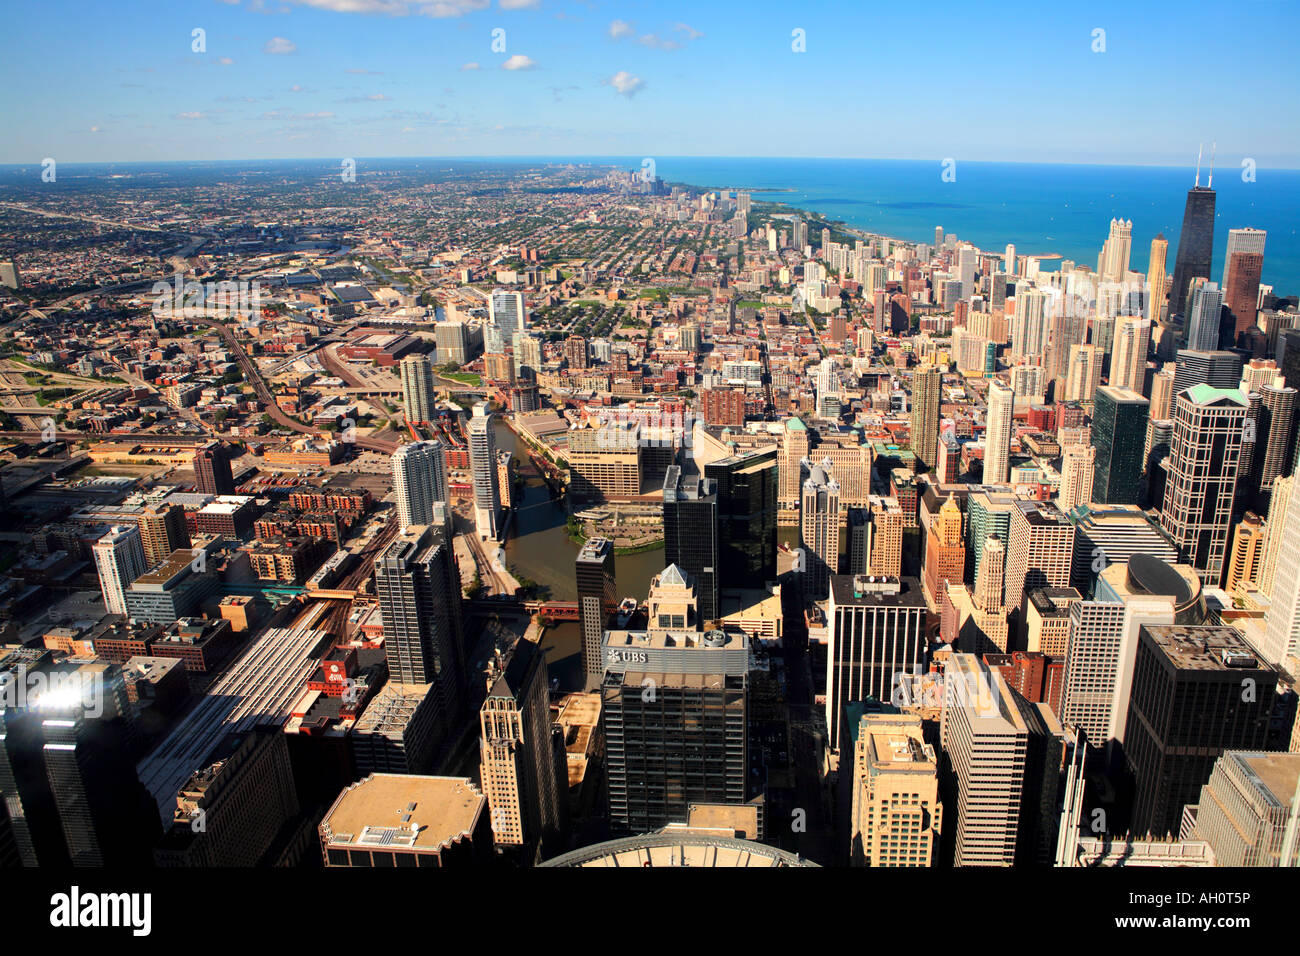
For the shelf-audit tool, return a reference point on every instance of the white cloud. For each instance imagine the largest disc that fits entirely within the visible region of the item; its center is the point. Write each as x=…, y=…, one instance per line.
x=691, y=32
x=280, y=46
x=619, y=29
x=655, y=42
x=470, y=66
x=519, y=62
x=225, y=61
x=192, y=114
x=625, y=84
x=520, y=4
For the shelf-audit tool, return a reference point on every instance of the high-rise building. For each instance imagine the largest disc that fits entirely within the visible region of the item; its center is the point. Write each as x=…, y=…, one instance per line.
x=1040, y=554
x=793, y=450
x=1119, y=426
x=119, y=559
x=1187, y=708
x=674, y=710
x=987, y=513
x=1001, y=759
x=1274, y=529
x=419, y=481
x=507, y=312
x=875, y=630
x=1111, y=534
x=597, y=595
x=1083, y=375
x=244, y=797
x=1246, y=559
x=483, y=466
x=1282, y=634
x=212, y=470
x=997, y=435
x=417, y=587
x=453, y=342
x=1077, y=464
x=746, y=490
x=819, y=530
x=691, y=535
x=927, y=393
x=1245, y=808
x=1129, y=362
x=162, y=531
x=1195, y=242
x=1202, y=475
x=945, y=553
x=1103, y=634
x=418, y=390
x=1246, y=241
x=1115, y=252
x=1218, y=369
x=1241, y=291
x=1156, y=277
x=895, y=815
x=520, y=756
x=1204, y=318
x=1270, y=435
x=392, y=820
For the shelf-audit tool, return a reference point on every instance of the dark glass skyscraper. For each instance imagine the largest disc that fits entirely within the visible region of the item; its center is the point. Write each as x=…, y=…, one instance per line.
x=691, y=534
x=212, y=470
x=746, y=487
x=1119, y=428
x=1195, y=244
x=594, y=573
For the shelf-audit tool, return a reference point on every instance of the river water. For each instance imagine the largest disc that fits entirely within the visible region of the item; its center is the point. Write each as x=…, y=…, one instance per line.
x=539, y=549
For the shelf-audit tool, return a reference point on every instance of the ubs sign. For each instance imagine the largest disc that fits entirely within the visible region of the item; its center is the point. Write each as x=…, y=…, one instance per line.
x=616, y=656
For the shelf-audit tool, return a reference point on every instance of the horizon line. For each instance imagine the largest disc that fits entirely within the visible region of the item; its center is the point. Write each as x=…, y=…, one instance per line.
x=569, y=157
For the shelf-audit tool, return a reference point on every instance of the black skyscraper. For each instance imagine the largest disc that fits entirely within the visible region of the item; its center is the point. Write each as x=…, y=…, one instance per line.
x=746, y=490
x=1195, y=243
x=1119, y=427
x=691, y=534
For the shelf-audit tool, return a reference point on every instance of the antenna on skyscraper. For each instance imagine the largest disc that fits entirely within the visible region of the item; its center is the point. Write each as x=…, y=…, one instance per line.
x=1213, y=147
x=1199, y=150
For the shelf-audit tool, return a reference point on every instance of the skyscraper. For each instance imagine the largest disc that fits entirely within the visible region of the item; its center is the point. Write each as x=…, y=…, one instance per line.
x=417, y=587
x=119, y=558
x=419, y=481
x=1129, y=361
x=1246, y=240
x=1241, y=291
x=1272, y=443
x=875, y=629
x=1202, y=482
x=1195, y=241
x=1282, y=634
x=212, y=470
x=1218, y=369
x=418, y=390
x=597, y=595
x=1187, y=708
x=519, y=755
x=674, y=709
x=1077, y=465
x=1115, y=252
x=819, y=530
x=894, y=814
x=1156, y=277
x=1040, y=552
x=508, y=313
x=1001, y=758
x=691, y=534
x=746, y=487
x=926, y=397
x=1084, y=373
x=945, y=552
x=162, y=531
x=483, y=465
x=997, y=435
x=1204, y=317
x=1119, y=426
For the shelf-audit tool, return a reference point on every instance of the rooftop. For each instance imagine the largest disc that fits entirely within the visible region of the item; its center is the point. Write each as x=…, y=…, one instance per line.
x=404, y=810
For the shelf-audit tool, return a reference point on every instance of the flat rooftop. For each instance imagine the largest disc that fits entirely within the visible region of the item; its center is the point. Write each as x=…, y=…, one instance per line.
x=1205, y=648
x=404, y=811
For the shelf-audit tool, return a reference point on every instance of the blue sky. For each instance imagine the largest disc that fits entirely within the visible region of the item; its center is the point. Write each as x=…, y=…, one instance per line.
x=98, y=80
